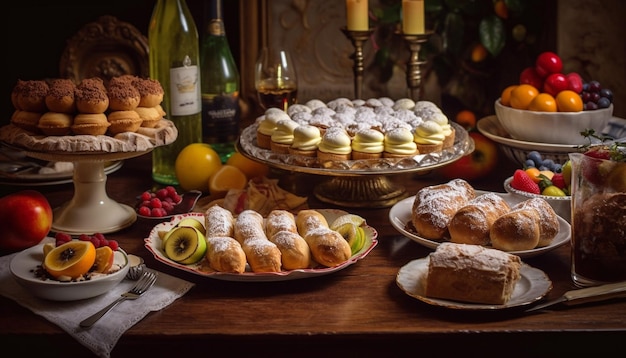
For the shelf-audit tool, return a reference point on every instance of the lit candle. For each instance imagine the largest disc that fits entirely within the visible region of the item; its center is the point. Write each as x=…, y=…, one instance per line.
x=413, y=17
x=356, y=13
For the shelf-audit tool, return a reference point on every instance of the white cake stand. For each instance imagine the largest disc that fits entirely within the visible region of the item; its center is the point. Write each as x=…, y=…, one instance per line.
x=91, y=210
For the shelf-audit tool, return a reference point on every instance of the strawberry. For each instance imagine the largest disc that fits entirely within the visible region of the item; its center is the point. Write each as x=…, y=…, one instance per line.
x=599, y=152
x=558, y=180
x=521, y=181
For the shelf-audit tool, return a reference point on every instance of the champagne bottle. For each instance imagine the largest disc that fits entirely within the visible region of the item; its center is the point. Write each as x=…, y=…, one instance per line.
x=174, y=61
x=220, y=87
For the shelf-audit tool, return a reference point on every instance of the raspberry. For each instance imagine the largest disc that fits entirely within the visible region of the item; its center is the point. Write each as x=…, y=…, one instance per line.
x=145, y=196
x=62, y=238
x=84, y=237
x=144, y=211
x=113, y=245
x=95, y=241
x=177, y=199
x=162, y=194
x=171, y=190
x=158, y=212
x=156, y=203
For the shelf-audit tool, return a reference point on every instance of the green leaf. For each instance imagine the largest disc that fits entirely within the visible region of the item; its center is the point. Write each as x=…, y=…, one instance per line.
x=453, y=33
x=492, y=34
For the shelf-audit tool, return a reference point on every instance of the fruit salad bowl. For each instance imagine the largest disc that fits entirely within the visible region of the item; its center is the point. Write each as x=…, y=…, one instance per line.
x=24, y=265
x=560, y=204
x=551, y=127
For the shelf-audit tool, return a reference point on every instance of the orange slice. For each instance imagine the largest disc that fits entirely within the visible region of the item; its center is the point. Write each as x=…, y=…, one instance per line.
x=227, y=177
x=104, y=259
x=72, y=259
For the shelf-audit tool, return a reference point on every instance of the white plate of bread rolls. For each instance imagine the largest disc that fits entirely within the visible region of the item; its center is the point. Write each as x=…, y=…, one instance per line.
x=262, y=262
x=455, y=212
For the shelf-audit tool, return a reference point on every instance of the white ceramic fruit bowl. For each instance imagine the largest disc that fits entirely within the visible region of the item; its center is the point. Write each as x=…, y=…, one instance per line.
x=25, y=263
x=560, y=204
x=551, y=127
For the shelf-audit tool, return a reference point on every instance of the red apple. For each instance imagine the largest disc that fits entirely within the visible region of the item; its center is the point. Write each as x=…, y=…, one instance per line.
x=27, y=219
x=555, y=83
x=547, y=63
x=475, y=165
x=529, y=76
x=575, y=82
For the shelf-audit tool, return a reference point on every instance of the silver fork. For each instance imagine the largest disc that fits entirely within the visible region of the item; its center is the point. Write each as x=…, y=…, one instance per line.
x=143, y=284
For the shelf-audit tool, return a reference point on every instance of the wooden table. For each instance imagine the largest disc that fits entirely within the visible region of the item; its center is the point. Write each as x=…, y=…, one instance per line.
x=359, y=311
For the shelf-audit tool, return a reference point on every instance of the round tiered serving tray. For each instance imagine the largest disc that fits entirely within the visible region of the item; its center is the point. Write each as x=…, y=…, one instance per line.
x=90, y=210
x=357, y=183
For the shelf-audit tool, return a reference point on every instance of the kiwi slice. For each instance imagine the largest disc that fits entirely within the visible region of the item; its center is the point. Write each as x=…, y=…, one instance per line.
x=354, y=235
x=185, y=245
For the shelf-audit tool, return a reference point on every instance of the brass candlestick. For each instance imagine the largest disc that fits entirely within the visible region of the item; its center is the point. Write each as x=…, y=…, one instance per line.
x=413, y=71
x=357, y=38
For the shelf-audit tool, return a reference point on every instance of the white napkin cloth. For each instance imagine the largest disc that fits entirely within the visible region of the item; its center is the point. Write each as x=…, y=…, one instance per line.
x=102, y=337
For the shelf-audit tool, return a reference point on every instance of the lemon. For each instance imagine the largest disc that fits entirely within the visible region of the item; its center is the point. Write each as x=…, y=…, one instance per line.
x=195, y=164
x=347, y=218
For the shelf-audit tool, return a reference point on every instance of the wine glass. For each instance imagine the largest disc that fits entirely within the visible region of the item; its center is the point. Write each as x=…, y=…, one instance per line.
x=275, y=78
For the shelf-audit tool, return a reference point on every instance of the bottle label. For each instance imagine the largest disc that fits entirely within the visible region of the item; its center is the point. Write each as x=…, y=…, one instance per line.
x=184, y=91
x=220, y=118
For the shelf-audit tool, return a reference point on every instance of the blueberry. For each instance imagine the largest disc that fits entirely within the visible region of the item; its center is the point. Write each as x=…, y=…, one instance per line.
x=529, y=163
x=558, y=168
x=535, y=156
x=604, y=102
x=548, y=163
x=543, y=167
x=607, y=93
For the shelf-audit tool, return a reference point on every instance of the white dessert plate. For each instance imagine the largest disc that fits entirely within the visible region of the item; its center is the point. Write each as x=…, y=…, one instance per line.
x=24, y=264
x=153, y=244
x=33, y=178
x=531, y=287
x=400, y=217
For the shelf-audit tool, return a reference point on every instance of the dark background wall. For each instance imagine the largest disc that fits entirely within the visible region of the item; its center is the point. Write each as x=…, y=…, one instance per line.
x=35, y=32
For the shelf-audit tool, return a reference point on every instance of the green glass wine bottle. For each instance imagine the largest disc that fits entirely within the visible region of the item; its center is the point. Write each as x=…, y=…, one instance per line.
x=174, y=61
x=220, y=87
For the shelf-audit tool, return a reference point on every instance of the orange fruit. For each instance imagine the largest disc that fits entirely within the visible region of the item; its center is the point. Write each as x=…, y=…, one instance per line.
x=505, y=97
x=226, y=178
x=195, y=164
x=466, y=118
x=104, y=259
x=479, y=53
x=569, y=101
x=522, y=95
x=72, y=259
x=533, y=173
x=543, y=102
x=249, y=167
x=499, y=7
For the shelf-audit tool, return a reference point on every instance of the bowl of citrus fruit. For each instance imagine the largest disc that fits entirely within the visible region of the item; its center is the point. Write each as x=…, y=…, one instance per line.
x=549, y=106
x=65, y=268
x=543, y=178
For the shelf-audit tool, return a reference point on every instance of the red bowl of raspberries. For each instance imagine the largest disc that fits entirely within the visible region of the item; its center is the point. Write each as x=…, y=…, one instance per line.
x=165, y=203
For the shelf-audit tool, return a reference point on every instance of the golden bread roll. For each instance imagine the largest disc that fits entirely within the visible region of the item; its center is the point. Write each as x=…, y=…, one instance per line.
x=225, y=254
x=472, y=273
x=123, y=96
x=150, y=116
x=548, y=220
x=327, y=246
x=280, y=228
x=517, y=230
x=262, y=254
x=91, y=96
x=150, y=91
x=56, y=124
x=123, y=121
x=471, y=224
x=26, y=120
x=434, y=207
x=90, y=124
x=61, y=96
x=218, y=222
x=32, y=96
